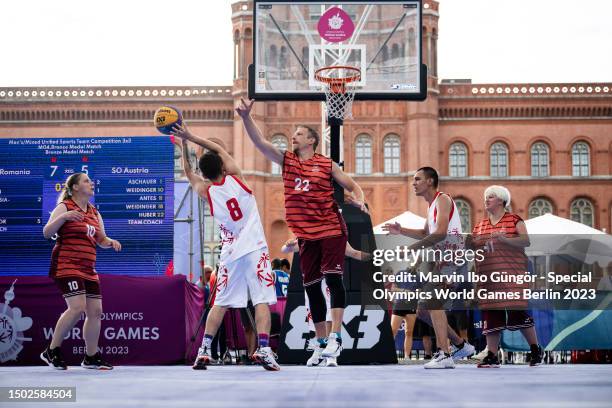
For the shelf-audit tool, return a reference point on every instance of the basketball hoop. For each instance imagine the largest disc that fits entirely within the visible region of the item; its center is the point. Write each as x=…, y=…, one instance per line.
x=339, y=86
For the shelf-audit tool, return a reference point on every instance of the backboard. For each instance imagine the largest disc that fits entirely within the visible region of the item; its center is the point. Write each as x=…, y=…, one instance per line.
x=293, y=39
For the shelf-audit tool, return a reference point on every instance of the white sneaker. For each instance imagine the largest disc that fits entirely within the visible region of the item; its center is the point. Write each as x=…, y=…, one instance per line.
x=316, y=359
x=203, y=359
x=265, y=357
x=481, y=356
x=312, y=344
x=331, y=362
x=466, y=351
x=440, y=360
x=333, y=349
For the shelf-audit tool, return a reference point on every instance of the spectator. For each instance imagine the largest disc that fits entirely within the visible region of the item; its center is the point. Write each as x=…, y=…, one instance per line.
x=281, y=278
x=286, y=266
x=204, y=281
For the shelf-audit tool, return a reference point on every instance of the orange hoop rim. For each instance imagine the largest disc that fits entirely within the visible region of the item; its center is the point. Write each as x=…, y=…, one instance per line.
x=335, y=82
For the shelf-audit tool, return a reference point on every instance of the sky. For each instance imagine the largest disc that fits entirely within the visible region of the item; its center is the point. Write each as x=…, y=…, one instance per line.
x=189, y=42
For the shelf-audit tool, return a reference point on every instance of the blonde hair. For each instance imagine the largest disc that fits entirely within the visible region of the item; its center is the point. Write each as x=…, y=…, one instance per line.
x=68, y=185
x=500, y=192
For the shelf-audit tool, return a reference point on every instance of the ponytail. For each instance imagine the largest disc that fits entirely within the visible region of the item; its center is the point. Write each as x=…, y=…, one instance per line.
x=67, y=190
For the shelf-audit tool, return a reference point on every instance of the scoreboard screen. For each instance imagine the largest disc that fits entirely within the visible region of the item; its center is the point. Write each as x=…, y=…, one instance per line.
x=134, y=187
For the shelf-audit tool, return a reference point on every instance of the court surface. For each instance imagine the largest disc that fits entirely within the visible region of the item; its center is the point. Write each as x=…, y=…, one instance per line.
x=299, y=386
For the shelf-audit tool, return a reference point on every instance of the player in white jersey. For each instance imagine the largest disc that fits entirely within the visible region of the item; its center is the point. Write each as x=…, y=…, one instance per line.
x=244, y=268
x=442, y=231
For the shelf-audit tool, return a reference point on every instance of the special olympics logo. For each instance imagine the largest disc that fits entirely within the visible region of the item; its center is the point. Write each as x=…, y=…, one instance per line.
x=335, y=22
x=335, y=25
x=12, y=326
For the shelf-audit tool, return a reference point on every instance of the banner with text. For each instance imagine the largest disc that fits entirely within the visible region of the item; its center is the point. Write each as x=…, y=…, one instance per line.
x=144, y=321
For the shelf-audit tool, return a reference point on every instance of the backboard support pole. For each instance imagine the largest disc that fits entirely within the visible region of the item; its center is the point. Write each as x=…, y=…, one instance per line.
x=335, y=127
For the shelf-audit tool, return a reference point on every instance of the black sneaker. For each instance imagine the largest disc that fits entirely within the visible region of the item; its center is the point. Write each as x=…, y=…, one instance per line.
x=490, y=361
x=95, y=362
x=53, y=358
x=535, y=356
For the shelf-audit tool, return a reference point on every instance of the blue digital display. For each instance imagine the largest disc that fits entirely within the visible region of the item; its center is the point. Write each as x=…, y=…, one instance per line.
x=134, y=193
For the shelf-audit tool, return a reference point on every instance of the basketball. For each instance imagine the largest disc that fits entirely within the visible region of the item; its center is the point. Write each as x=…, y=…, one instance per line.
x=166, y=117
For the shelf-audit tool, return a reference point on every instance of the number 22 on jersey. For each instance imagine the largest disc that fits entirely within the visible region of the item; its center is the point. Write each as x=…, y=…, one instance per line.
x=302, y=185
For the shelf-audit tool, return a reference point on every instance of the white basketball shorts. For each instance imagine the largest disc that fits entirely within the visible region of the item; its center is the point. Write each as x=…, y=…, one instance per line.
x=248, y=277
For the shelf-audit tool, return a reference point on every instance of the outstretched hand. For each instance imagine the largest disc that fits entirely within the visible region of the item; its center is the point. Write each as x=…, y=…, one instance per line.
x=394, y=229
x=181, y=131
x=244, y=108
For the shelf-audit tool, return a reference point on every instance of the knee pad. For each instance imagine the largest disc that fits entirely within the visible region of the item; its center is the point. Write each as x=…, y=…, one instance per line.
x=317, y=302
x=336, y=291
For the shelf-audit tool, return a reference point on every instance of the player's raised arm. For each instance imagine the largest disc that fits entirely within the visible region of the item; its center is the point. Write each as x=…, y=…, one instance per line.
x=349, y=184
x=183, y=132
x=198, y=183
x=268, y=149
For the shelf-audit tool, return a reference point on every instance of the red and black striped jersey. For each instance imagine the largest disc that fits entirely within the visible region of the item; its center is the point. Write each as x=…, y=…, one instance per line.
x=74, y=253
x=311, y=210
x=500, y=257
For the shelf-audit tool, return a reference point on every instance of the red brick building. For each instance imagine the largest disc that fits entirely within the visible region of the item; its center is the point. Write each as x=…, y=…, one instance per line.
x=550, y=144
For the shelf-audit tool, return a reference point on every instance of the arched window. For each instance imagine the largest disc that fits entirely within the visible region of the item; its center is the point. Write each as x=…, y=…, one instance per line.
x=411, y=43
x=539, y=160
x=499, y=160
x=581, y=211
x=363, y=155
x=280, y=142
x=395, y=51
x=385, y=53
x=457, y=160
x=465, y=215
x=392, y=154
x=211, y=228
x=273, y=56
x=580, y=160
x=283, y=62
x=539, y=207
x=236, y=54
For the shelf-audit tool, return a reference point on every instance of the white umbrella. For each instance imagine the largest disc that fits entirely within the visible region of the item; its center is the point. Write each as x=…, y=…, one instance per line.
x=406, y=219
x=552, y=235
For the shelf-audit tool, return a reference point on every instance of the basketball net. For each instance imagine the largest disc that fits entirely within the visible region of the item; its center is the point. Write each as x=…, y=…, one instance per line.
x=339, y=87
